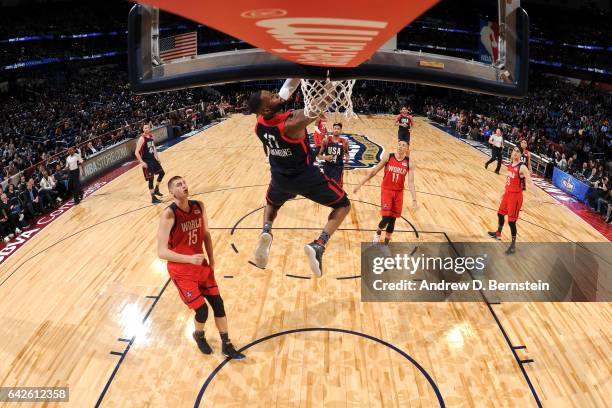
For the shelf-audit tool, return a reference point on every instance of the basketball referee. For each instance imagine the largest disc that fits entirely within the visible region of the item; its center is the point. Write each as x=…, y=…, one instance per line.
x=496, y=141
x=74, y=164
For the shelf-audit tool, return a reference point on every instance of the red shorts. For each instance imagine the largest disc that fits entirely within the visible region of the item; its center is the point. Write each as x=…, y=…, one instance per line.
x=391, y=202
x=511, y=205
x=193, y=283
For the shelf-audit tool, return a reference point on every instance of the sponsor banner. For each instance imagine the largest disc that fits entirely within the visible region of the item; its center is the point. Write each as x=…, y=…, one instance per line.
x=489, y=42
x=570, y=184
x=344, y=35
x=122, y=152
x=96, y=165
x=160, y=135
x=476, y=271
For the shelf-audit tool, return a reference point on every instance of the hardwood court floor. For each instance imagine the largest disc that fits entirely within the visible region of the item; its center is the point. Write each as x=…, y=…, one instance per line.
x=70, y=294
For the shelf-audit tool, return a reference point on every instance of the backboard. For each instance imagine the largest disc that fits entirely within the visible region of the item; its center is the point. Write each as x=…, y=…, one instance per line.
x=351, y=40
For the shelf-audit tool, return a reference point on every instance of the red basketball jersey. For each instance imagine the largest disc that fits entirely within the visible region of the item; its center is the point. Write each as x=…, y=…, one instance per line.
x=187, y=234
x=319, y=133
x=395, y=173
x=513, y=179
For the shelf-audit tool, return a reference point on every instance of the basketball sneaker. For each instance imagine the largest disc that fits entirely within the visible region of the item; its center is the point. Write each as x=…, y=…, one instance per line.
x=314, y=252
x=155, y=200
x=229, y=351
x=376, y=238
x=511, y=249
x=157, y=192
x=202, y=344
x=263, y=249
x=17, y=231
x=495, y=234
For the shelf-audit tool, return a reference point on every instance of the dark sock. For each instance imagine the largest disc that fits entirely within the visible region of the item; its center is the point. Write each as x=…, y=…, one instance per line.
x=224, y=338
x=323, y=238
x=387, y=241
x=199, y=334
x=500, y=223
x=267, y=227
x=513, y=240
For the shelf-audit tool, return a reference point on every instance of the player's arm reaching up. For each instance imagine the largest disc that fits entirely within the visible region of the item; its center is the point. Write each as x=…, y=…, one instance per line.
x=298, y=121
x=163, y=236
x=374, y=171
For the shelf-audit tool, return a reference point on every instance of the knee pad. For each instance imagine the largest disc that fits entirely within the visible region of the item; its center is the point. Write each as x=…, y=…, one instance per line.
x=217, y=305
x=344, y=202
x=160, y=176
x=201, y=314
x=391, y=226
x=150, y=183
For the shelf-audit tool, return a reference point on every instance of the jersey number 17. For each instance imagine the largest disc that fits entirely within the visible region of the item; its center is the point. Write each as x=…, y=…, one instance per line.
x=272, y=142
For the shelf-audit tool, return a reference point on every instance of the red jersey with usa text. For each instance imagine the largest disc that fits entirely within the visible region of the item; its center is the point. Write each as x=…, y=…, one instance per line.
x=187, y=233
x=287, y=156
x=395, y=173
x=514, y=183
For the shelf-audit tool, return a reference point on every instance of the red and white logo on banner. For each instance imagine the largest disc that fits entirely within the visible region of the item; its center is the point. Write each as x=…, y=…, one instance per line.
x=343, y=33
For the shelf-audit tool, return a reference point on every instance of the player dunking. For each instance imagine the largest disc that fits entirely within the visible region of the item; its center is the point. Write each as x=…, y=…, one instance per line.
x=334, y=152
x=293, y=171
x=183, y=230
x=397, y=166
x=511, y=203
x=405, y=123
x=146, y=153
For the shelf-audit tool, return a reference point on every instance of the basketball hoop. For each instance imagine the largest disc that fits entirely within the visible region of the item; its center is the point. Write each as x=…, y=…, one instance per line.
x=328, y=96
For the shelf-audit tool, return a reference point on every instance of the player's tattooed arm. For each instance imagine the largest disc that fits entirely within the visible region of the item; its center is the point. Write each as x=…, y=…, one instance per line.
x=296, y=123
x=163, y=234
x=374, y=171
x=208, y=245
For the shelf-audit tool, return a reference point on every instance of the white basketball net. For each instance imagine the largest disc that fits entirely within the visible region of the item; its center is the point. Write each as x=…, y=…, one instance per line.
x=328, y=96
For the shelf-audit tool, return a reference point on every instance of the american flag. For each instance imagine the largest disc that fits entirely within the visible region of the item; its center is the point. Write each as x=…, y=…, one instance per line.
x=178, y=46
